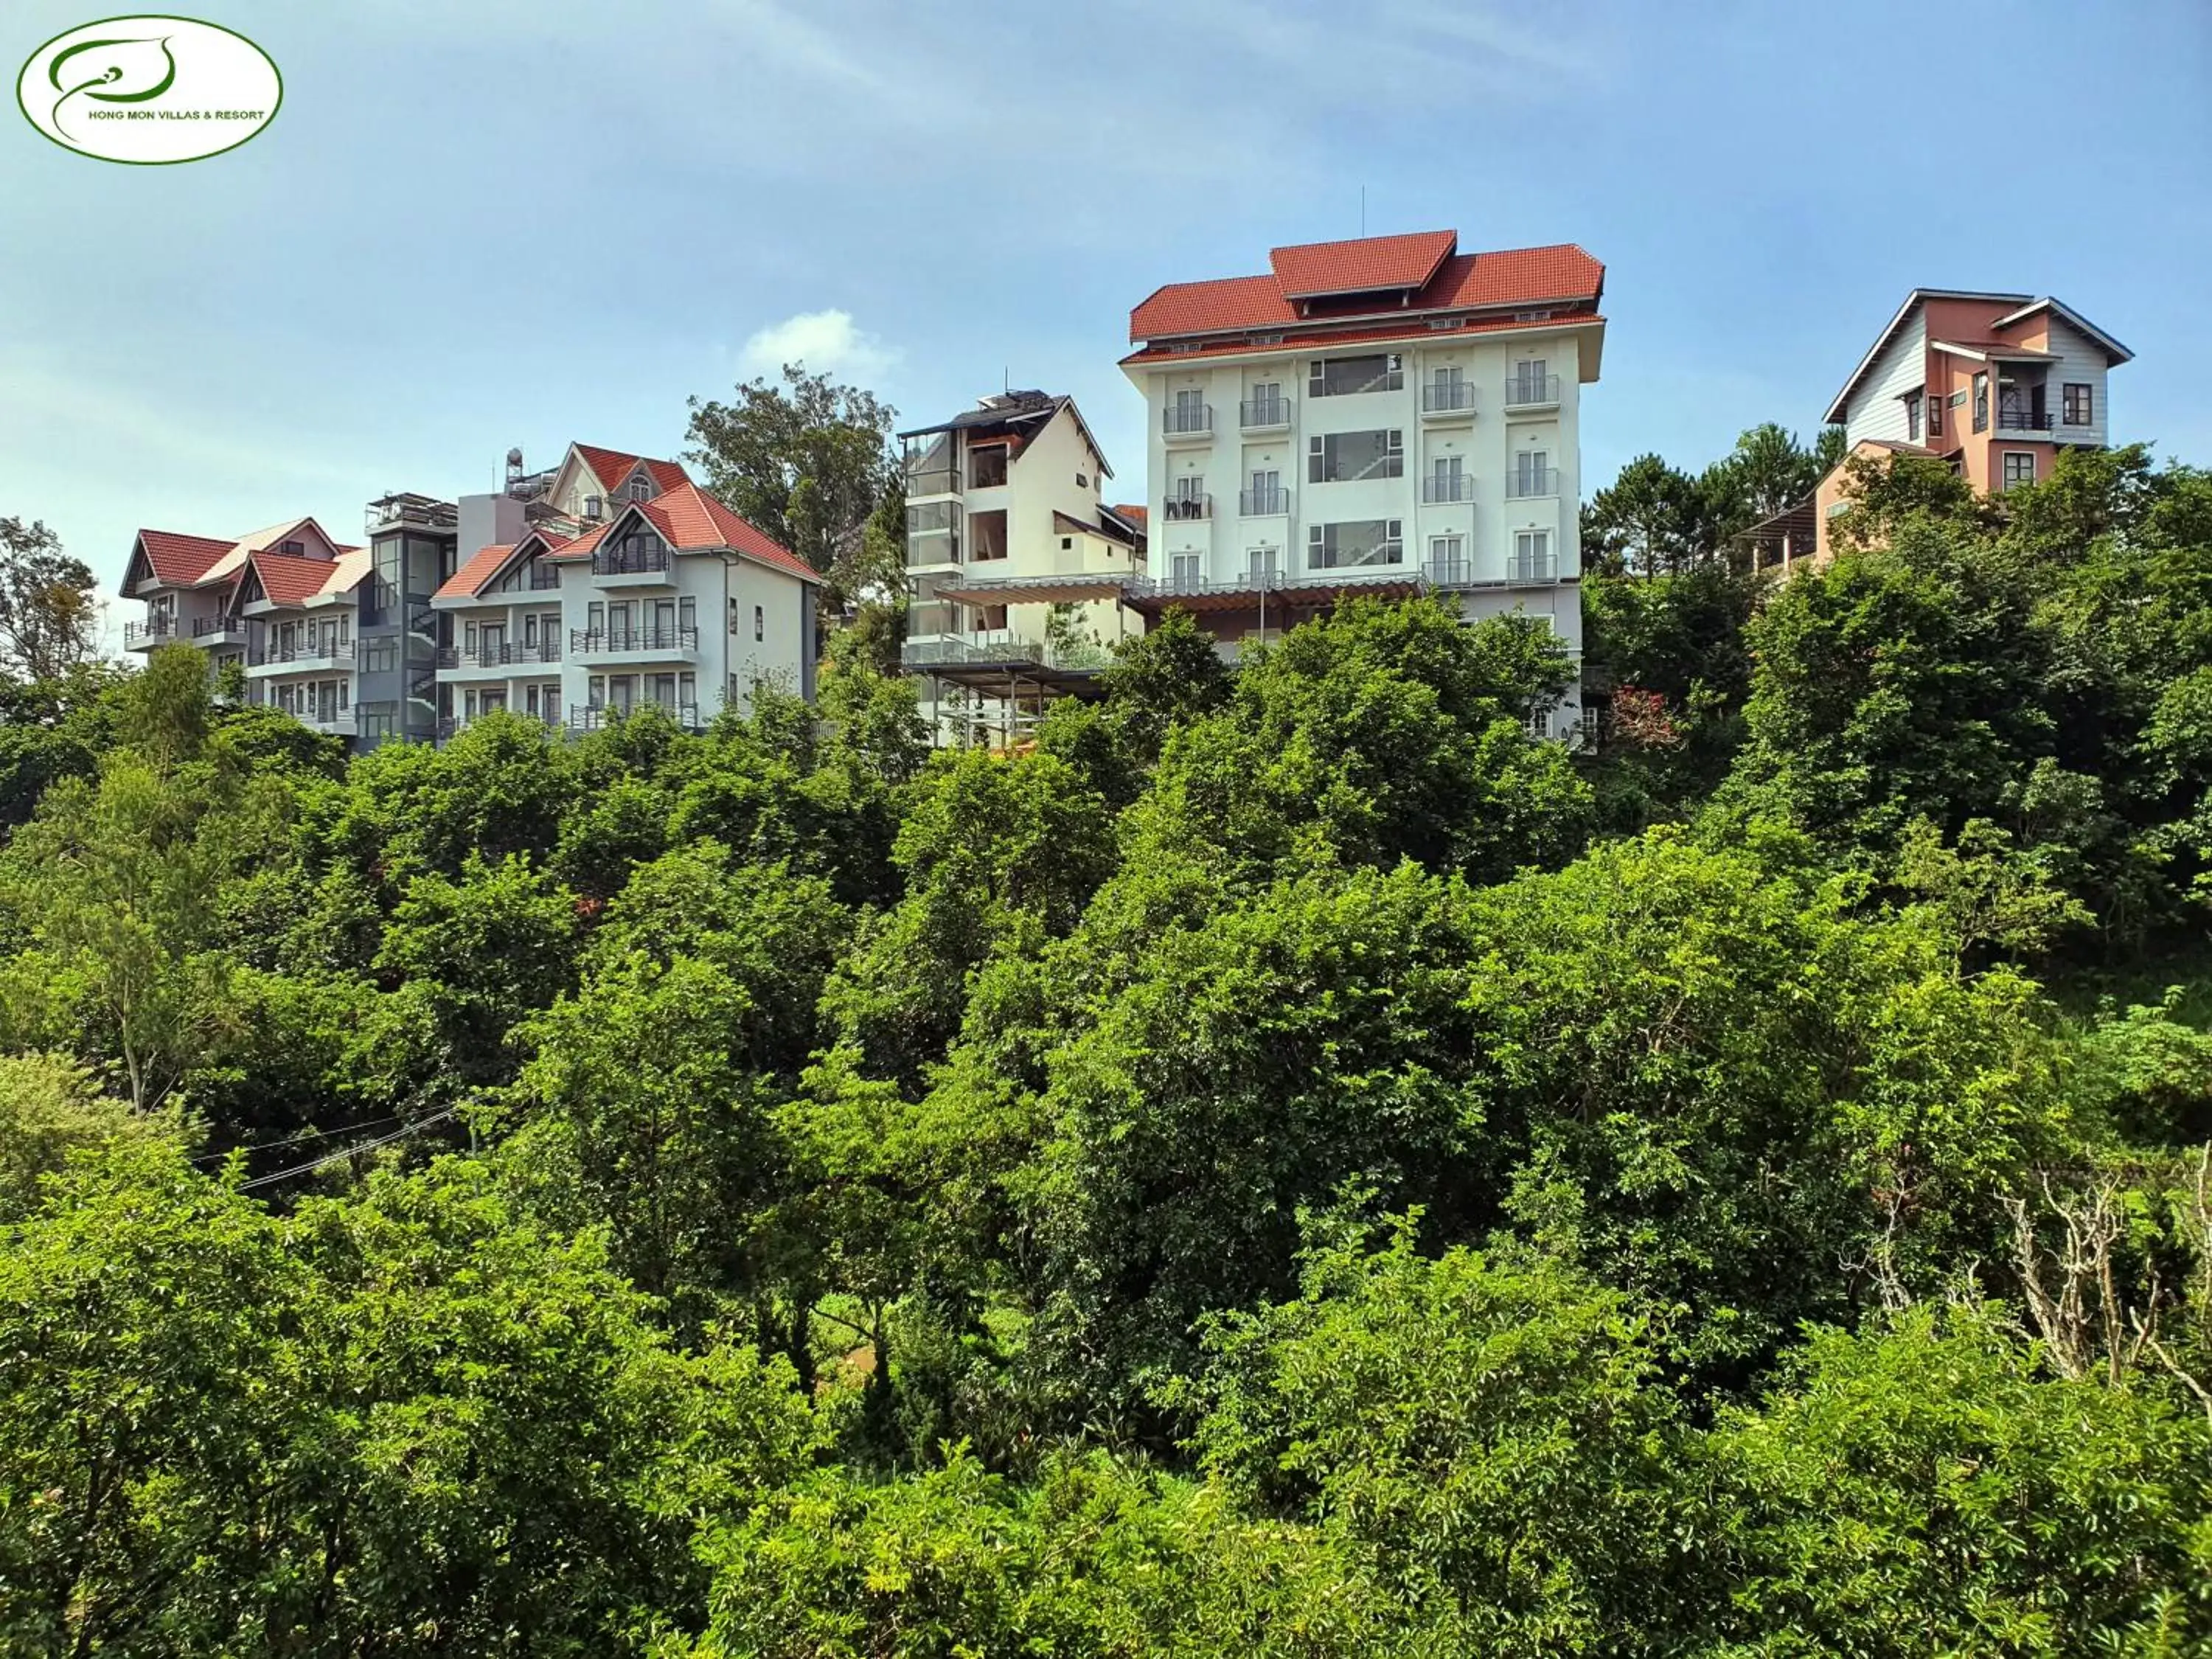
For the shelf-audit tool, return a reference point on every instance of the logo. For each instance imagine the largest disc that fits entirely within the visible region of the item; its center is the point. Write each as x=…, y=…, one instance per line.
x=149, y=90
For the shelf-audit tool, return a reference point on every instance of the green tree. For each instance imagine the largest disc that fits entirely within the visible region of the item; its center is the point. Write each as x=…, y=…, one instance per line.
x=49, y=610
x=1648, y=521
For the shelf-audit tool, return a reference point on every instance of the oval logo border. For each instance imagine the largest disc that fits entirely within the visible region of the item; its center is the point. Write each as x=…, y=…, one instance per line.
x=158, y=17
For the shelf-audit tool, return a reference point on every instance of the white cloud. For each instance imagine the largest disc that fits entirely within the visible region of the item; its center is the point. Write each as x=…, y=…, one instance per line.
x=822, y=340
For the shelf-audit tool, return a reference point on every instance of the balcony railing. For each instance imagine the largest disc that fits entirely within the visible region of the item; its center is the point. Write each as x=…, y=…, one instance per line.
x=1447, y=487
x=1263, y=503
x=1263, y=412
x=311, y=651
x=615, y=642
x=1187, y=421
x=1449, y=573
x=1187, y=507
x=413, y=511
x=1531, y=391
x=1269, y=578
x=203, y=626
x=1541, y=568
x=498, y=656
x=933, y=481
x=149, y=633
x=2024, y=420
x=1452, y=398
x=1529, y=482
x=629, y=561
x=591, y=716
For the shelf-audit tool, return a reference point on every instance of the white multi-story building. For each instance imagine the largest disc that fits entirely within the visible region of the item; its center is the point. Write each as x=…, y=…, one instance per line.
x=1385, y=415
x=1015, y=567
x=638, y=588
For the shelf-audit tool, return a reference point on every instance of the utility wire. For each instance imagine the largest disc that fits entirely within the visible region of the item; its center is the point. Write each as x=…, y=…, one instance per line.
x=293, y=1140
x=348, y=1152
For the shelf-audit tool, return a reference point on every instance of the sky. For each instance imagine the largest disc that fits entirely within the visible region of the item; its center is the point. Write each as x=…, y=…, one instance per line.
x=479, y=224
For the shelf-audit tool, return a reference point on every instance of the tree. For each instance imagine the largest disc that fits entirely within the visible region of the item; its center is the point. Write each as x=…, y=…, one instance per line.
x=49, y=616
x=1767, y=472
x=1648, y=521
x=809, y=463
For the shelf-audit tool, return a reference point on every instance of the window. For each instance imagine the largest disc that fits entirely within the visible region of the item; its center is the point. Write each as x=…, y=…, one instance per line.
x=1189, y=413
x=1342, y=456
x=594, y=508
x=2018, y=467
x=1935, y=404
x=1446, y=480
x=640, y=488
x=1265, y=406
x=1912, y=416
x=2078, y=405
x=1082, y=481
x=1338, y=377
x=987, y=466
x=1352, y=542
x=1448, y=558
x=1533, y=474
x=1266, y=494
x=296, y=549
x=379, y=719
x=380, y=655
x=987, y=536
x=1067, y=544
x=686, y=615
x=1982, y=401
x=1185, y=573
x=760, y=625
x=1532, y=557
x=1531, y=383
x=1264, y=564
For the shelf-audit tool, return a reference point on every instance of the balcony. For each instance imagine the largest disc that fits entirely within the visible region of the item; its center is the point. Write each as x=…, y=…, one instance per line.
x=2024, y=420
x=497, y=656
x=933, y=481
x=1532, y=482
x=1188, y=423
x=1262, y=503
x=1448, y=573
x=307, y=654
x=1531, y=570
x=585, y=644
x=144, y=636
x=1265, y=414
x=407, y=512
x=1532, y=392
x=218, y=630
x=1443, y=401
x=1187, y=510
x=629, y=560
x=1440, y=486
x=593, y=717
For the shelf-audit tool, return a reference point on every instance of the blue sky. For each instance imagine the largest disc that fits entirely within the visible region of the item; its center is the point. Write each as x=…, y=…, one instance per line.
x=497, y=221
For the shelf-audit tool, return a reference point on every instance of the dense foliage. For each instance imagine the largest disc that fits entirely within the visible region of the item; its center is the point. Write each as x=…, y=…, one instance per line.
x=1284, y=1163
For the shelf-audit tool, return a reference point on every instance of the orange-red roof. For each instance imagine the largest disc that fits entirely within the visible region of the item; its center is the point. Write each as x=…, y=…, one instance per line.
x=290, y=580
x=612, y=467
x=1313, y=269
x=1380, y=331
x=475, y=572
x=692, y=521
x=1134, y=513
x=179, y=560
x=1561, y=274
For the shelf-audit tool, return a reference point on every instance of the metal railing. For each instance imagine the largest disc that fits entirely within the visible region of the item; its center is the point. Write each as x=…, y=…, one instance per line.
x=1264, y=412
x=1448, y=573
x=1449, y=398
x=1187, y=422
x=629, y=561
x=1543, y=567
x=604, y=641
x=1269, y=578
x=2024, y=420
x=417, y=512
x=591, y=717
x=1529, y=391
x=316, y=651
x=933, y=481
x=1263, y=503
x=497, y=656
x=1447, y=487
x=203, y=626
x=149, y=633
x=1186, y=508
x=1529, y=482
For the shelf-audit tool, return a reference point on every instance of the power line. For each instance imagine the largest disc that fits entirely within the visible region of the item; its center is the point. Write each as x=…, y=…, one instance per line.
x=293, y=1140
x=414, y=1128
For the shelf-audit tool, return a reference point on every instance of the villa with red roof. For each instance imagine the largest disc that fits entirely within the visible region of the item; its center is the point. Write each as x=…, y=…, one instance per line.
x=1387, y=415
x=573, y=595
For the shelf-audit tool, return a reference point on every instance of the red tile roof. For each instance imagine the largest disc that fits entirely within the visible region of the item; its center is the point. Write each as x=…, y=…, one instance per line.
x=690, y=517
x=668, y=474
x=291, y=581
x=1562, y=274
x=612, y=467
x=180, y=561
x=1312, y=268
x=1134, y=514
x=464, y=583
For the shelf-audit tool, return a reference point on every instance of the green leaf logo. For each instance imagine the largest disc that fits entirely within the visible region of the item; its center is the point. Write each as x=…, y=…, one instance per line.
x=143, y=69
x=151, y=90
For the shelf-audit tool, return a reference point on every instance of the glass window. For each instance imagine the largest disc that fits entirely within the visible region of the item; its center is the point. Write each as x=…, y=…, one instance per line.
x=760, y=624
x=1341, y=457
x=2018, y=467
x=1532, y=556
x=1912, y=416
x=1337, y=377
x=1934, y=402
x=987, y=466
x=1352, y=542
x=2079, y=403
x=1982, y=401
